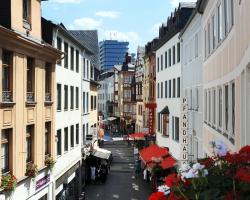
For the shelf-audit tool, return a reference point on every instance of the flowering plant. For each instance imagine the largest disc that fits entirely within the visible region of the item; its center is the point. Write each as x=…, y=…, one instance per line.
x=224, y=176
x=8, y=182
x=49, y=162
x=31, y=170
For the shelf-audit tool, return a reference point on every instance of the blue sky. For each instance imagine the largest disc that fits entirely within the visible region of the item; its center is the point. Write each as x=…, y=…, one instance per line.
x=135, y=21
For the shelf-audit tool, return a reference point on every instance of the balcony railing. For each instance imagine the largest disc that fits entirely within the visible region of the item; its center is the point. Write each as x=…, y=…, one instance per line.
x=30, y=96
x=7, y=96
x=47, y=96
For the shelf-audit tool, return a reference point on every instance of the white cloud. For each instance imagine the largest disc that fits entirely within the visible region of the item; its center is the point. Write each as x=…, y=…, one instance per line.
x=155, y=28
x=85, y=23
x=67, y=1
x=108, y=14
x=175, y=3
x=117, y=35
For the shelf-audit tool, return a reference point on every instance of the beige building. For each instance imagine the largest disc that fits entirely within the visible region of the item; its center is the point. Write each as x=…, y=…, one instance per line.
x=226, y=72
x=27, y=96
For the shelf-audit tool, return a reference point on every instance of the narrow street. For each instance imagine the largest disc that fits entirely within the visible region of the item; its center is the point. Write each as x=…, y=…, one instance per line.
x=121, y=183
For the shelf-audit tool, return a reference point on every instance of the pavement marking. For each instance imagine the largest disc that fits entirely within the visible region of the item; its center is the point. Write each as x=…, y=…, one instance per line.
x=116, y=196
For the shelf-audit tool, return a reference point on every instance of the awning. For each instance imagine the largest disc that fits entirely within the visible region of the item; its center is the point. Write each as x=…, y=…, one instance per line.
x=165, y=110
x=111, y=118
x=166, y=163
x=137, y=136
x=154, y=151
x=101, y=153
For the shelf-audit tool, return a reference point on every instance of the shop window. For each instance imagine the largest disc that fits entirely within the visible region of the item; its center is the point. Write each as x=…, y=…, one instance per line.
x=7, y=78
x=5, y=146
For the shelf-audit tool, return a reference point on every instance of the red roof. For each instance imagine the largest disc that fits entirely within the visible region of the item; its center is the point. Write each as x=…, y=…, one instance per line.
x=152, y=151
x=137, y=135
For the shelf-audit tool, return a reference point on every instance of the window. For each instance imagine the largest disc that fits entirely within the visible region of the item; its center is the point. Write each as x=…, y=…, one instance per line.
x=220, y=23
x=92, y=72
x=226, y=16
x=7, y=78
x=88, y=63
x=178, y=87
x=161, y=89
x=77, y=97
x=205, y=106
x=213, y=32
x=84, y=102
x=72, y=135
x=77, y=133
x=165, y=121
x=30, y=96
x=66, y=97
x=5, y=152
x=66, y=139
x=196, y=45
x=173, y=54
x=178, y=52
x=91, y=102
x=48, y=81
x=169, y=57
x=220, y=107
x=27, y=10
x=214, y=106
x=177, y=129
x=47, y=138
x=226, y=108
x=174, y=88
x=158, y=90
x=87, y=97
x=233, y=108
x=197, y=99
x=169, y=88
x=209, y=106
x=166, y=59
x=59, y=97
x=205, y=41
x=83, y=133
x=166, y=89
x=29, y=143
x=71, y=97
x=158, y=64
x=159, y=122
x=59, y=47
x=84, y=68
x=66, y=57
x=161, y=62
x=208, y=38
x=94, y=102
x=59, y=142
x=72, y=57
x=77, y=61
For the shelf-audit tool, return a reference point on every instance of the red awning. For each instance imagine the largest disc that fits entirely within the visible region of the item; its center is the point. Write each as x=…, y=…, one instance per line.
x=166, y=163
x=153, y=151
x=137, y=136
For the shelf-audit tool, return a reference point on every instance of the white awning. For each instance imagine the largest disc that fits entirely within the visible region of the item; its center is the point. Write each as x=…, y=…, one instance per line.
x=101, y=153
x=111, y=118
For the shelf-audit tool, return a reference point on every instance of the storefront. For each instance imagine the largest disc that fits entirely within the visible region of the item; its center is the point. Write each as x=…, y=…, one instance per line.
x=68, y=186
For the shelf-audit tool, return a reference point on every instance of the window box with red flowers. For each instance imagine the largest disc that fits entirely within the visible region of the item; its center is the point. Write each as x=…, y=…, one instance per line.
x=49, y=162
x=8, y=182
x=31, y=170
x=224, y=176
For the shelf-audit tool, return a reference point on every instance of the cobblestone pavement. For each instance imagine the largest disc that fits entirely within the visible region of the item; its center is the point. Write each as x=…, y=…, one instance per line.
x=121, y=183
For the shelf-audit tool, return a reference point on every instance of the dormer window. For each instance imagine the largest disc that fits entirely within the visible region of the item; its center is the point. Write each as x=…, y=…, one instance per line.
x=27, y=13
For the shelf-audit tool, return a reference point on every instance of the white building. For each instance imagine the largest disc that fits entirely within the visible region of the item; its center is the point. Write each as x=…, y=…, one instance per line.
x=191, y=61
x=168, y=79
x=106, y=94
x=69, y=119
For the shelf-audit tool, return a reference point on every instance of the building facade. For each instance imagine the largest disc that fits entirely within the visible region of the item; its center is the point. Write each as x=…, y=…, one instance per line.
x=28, y=100
x=226, y=74
x=191, y=61
x=168, y=79
x=112, y=53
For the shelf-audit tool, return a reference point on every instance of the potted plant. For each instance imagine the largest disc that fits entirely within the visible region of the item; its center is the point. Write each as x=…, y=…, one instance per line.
x=31, y=170
x=8, y=182
x=49, y=162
